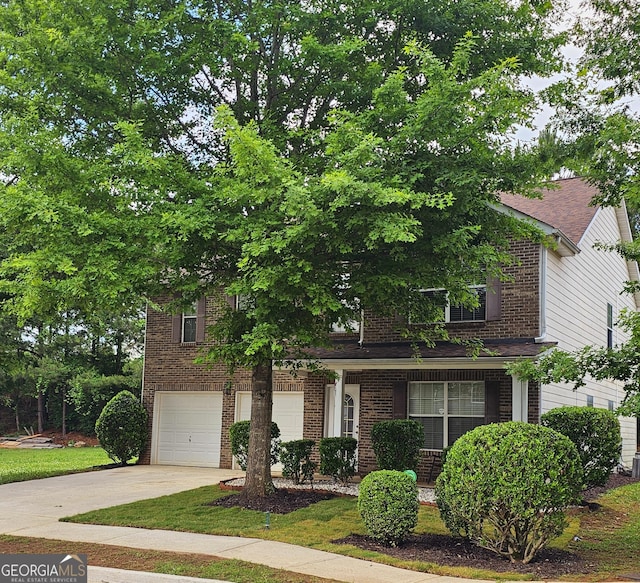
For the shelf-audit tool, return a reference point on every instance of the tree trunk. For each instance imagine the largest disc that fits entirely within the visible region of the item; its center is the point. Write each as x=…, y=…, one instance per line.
x=64, y=411
x=258, y=481
x=40, y=411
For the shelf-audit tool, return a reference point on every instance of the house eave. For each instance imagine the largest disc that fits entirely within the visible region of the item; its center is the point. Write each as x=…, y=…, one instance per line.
x=484, y=363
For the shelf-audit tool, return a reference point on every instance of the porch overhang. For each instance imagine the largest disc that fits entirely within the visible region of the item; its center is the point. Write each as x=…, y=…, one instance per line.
x=349, y=355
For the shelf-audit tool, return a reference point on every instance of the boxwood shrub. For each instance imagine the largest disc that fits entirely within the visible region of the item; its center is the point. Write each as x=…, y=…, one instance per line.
x=397, y=444
x=596, y=435
x=506, y=486
x=121, y=428
x=388, y=505
x=338, y=457
x=295, y=457
x=239, y=438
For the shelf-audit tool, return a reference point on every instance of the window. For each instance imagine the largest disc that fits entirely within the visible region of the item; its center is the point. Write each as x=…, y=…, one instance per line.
x=458, y=313
x=446, y=410
x=348, y=416
x=610, y=405
x=589, y=400
x=189, y=324
x=609, y=326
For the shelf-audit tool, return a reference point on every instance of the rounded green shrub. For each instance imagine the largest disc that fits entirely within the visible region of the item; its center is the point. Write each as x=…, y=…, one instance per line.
x=596, y=435
x=239, y=438
x=506, y=486
x=121, y=428
x=338, y=457
x=396, y=444
x=295, y=457
x=388, y=505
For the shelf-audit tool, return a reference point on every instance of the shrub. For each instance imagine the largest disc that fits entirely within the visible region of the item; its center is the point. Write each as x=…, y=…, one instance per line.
x=388, y=505
x=239, y=437
x=505, y=486
x=397, y=444
x=596, y=435
x=296, y=460
x=121, y=428
x=338, y=457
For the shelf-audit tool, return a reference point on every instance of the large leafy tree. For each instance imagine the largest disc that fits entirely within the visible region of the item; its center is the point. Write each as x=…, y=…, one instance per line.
x=294, y=154
x=597, y=134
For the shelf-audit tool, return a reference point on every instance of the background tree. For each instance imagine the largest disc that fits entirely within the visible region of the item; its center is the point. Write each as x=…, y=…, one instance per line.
x=596, y=133
x=122, y=176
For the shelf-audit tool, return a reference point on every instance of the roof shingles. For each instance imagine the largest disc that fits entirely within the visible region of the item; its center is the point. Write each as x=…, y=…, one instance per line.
x=566, y=207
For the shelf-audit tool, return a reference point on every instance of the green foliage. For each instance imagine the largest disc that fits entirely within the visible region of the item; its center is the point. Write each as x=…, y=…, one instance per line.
x=232, y=176
x=239, y=438
x=388, y=505
x=295, y=457
x=506, y=486
x=596, y=435
x=397, y=444
x=338, y=457
x=17, y=465
x=122, y=427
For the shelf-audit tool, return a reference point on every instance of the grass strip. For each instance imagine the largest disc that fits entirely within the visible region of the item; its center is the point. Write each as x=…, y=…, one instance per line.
x=18, y=465
x=185, y=564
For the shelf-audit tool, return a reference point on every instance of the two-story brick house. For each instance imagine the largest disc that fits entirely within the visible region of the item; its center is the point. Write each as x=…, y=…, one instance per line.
x=567, y=294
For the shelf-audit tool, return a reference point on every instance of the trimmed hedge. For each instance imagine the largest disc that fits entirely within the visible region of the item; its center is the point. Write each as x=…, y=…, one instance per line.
x=295, y=457
x=121, y=428
x=505, y=486
x=397, y=444
x=388, y=505
x=338, y=457
x=239, y=437
x=596, y=435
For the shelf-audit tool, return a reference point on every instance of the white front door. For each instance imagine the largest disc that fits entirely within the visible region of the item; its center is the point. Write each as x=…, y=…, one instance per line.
x=351, y=411
x=350, y=422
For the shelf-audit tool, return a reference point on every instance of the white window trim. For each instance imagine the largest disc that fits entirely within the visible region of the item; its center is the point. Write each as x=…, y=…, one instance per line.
x=445, y=415
x=188, y=316
x=447, y=307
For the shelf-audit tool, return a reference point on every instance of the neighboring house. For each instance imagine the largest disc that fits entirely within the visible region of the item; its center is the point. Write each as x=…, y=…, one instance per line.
x=566, y=295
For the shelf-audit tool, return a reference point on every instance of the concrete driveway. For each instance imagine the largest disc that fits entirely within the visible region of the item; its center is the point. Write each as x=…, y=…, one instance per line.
x=34, y=508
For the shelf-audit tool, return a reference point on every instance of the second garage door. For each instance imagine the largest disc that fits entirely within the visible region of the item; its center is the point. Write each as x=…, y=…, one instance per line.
x=288, y=413
x=187, y=429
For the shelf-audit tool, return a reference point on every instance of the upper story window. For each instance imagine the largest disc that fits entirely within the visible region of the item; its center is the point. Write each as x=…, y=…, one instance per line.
x=188, y=327
x=446, y=410
x=189, y=323
x=459, y=313
x=609, y=326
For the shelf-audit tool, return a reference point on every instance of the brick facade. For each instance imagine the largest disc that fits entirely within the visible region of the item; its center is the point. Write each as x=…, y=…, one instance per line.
x=170, y=366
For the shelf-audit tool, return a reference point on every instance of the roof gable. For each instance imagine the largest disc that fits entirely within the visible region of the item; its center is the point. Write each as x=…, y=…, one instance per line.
x=566, y=207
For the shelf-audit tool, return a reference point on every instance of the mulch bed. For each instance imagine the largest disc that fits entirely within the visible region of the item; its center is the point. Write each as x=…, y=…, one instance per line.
x=280, y=502
x=438, y=549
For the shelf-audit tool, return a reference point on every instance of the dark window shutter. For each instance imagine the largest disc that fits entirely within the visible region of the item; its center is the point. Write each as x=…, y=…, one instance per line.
x=492, y=402
x=176, y=328
x=494, y=299
x=200, y=319
x=400, y=400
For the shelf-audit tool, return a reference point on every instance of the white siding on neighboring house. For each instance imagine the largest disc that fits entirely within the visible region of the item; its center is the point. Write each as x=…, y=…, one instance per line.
x=578, y=290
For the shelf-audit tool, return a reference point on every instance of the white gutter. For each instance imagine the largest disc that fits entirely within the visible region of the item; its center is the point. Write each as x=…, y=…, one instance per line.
x=543, y=295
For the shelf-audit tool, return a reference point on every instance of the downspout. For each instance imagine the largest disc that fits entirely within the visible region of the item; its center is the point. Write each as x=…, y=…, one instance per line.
x=361, y=340
x=543, y=294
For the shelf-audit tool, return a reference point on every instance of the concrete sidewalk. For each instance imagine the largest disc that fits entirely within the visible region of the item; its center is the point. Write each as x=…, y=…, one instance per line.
x=33, y=509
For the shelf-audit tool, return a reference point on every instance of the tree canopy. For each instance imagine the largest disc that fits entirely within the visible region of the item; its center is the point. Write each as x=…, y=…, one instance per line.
x=315, y=159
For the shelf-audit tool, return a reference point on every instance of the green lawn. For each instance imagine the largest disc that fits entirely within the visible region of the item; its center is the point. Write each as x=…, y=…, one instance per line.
x=17, y=465
x=608, y=537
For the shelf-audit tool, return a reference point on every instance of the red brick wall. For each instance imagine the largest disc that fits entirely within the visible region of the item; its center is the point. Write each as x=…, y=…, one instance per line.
x=520, y=306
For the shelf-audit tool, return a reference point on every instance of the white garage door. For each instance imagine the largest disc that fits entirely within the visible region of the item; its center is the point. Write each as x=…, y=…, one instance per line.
x=187, y=429
x=288, y=413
